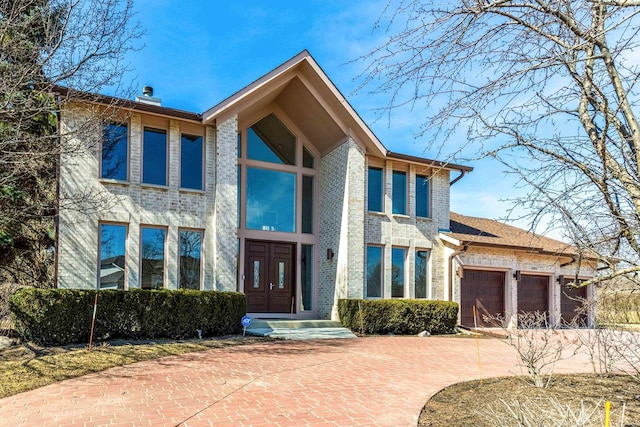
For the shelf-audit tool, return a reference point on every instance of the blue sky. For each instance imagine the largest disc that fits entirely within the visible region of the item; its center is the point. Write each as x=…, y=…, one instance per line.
x=196, y=53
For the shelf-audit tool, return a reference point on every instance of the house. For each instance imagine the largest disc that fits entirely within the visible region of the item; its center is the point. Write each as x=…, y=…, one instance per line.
x=280, y=191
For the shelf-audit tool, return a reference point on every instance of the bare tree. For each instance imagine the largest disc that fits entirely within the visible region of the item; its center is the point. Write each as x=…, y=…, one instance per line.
x=51, y=52
x=547, y=88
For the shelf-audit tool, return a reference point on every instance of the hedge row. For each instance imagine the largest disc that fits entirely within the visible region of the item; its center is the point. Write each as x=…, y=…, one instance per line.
x=63, y=316
x=398, y=317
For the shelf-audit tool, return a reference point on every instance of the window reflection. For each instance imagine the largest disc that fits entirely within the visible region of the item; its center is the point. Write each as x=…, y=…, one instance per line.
x=112, y=256
x=270, y=141
x=374, y=272
x=152, y=256
x=422, y=196
x=271, y=200
x=421, y=274
x=307, y=158
x=191, y=162
x=399, y=204
x=113, y=160
x=307, y=204
x=374, y=192
x=190, y=255
x=306, y=277
x=397, y=272
x=154, y=157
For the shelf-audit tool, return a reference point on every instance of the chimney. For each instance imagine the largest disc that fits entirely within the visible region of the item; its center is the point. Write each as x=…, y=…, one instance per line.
x=147, y=96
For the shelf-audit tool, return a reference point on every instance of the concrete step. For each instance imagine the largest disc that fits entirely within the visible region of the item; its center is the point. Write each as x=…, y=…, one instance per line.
x=298, y=329
x=293, y=324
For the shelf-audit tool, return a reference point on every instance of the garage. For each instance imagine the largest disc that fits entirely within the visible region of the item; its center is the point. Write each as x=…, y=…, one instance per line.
x=533, y=294
x=571, y=300
x=484, y=290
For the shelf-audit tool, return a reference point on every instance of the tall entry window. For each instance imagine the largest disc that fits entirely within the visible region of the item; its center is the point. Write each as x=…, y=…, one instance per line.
x=271, y=200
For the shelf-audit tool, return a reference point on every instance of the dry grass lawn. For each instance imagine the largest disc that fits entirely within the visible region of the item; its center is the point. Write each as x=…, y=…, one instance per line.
x=24, y=368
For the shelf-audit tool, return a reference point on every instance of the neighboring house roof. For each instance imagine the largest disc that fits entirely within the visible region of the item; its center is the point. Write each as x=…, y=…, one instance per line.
x=467, y=230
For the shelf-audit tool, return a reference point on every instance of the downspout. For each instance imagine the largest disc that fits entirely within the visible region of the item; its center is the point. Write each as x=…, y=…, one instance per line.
x=451, y=257
x=57, y=205
x=459, y=177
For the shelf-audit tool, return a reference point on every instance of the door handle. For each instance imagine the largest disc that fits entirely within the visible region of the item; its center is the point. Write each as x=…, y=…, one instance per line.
x=270, y=286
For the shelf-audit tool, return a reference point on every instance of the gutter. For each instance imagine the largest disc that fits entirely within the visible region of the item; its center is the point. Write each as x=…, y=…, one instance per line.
x=459, y=177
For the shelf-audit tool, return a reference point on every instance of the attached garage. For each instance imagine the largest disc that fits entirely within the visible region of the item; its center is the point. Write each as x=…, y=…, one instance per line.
x=484, y=290
x=533, y=294
x=571, y=301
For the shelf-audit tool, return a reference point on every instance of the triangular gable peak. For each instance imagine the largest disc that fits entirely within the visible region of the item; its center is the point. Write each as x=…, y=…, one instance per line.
x=302, y=90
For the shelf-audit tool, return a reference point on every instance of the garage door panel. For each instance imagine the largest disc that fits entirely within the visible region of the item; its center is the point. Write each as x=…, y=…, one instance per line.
x=571, y=301
x=533, y=292
x=485, y=291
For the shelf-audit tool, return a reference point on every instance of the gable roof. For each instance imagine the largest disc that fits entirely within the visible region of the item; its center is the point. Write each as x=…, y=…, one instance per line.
x=467, y=230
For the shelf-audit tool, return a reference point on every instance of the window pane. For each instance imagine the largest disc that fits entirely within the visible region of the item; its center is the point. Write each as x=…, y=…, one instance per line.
x=270, y=200
x=239, y=146
x=306, y=277
x=307, y=158
x=191, y=162
x=239, y=189
x=374, y=272
x=270, y=141
x=397, y=272
x=307, y=204
x=113, y=240
x=421, y=274
x=154, y=157
x=399, y=203
x=152, y=256
x=114, y=156
x=375, y=189
x=190, y=256
x=422, y=196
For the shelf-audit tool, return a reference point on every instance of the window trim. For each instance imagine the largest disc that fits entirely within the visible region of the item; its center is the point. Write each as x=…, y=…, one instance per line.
x=404, y=270
x=202, y=164
x=201, y=263
x=427, y=271
x=128, y=155
x=428, y=194
x=164, y=254
x=125, y=285
x=167, y=157
x=382, y=264
x=381, y=198
x=405, y=208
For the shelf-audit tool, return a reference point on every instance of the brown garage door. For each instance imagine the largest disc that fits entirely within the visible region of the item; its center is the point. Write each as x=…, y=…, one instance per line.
x=485, y=291
x=571, y=301
x=533, y=294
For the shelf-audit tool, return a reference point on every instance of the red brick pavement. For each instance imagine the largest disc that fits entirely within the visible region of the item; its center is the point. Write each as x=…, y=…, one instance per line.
x=378, y=381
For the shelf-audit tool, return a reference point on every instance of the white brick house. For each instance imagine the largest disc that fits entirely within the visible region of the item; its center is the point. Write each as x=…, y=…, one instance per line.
x=280, y=191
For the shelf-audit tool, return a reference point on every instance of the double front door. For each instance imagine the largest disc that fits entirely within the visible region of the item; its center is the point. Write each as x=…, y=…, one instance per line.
x=269, y=276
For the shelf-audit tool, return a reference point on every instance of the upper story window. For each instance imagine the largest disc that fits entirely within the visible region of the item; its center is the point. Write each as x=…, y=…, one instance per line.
x=271, y=200
x=374, y=191
x=422, y=196
x=115, y=153
x=191, y=162
x=269, y=140
x=113, y=243
x=154, y=157
x=399, y=202
x=308, y=161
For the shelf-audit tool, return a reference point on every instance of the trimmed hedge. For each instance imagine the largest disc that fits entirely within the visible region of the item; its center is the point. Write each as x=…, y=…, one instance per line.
x=398, y=316
x=63, y=316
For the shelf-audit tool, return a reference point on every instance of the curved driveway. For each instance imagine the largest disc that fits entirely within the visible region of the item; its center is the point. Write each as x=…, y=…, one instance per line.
x=377, y=381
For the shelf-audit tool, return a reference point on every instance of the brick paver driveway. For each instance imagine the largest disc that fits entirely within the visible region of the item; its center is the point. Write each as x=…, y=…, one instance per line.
x=378, y=381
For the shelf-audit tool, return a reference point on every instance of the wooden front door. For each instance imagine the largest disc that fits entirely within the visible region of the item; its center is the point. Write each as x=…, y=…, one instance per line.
x=269, y=276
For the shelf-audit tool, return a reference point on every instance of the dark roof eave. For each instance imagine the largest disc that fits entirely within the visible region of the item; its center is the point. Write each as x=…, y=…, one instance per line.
x=428, y=162
x=126, y=103
x=529, y=249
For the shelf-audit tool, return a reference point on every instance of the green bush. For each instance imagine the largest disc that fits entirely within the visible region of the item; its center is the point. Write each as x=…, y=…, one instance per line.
x=400, y=317
x=63, y=316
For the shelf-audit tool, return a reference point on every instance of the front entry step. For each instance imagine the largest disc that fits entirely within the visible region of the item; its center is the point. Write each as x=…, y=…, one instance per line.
x=299, y=329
